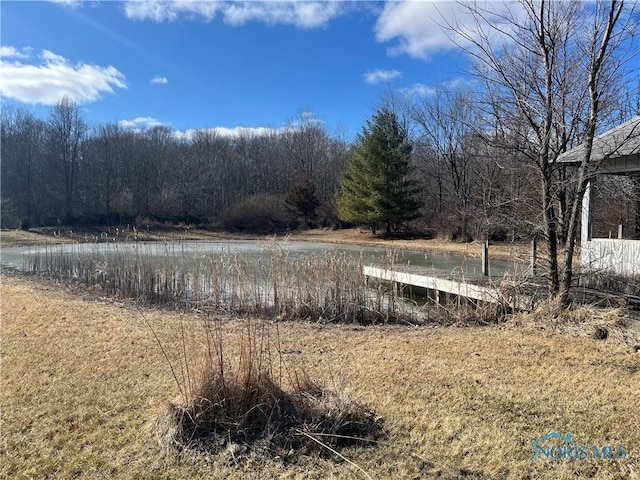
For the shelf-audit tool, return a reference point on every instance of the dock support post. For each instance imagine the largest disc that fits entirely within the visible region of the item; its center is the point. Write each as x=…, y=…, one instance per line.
x=619, y=231
x=534, y=255
x=485, y=258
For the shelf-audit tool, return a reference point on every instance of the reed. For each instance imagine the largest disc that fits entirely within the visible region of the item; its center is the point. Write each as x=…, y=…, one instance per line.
x=328, y=287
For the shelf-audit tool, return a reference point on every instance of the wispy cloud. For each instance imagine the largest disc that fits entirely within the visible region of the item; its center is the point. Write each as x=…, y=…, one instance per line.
x=159, y=80
x=373, y=77
x=51, y=58
x=302, y=14
x=419, y=90
x=12, y=52
x=69, y=3
x=144, y=123
x=141, y=123
x=48, y=77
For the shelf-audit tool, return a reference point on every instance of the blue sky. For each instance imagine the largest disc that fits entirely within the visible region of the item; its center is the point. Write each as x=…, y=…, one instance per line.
x=224, y=64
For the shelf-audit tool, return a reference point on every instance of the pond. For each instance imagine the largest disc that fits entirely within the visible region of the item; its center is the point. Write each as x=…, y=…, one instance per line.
x=255, y=251
x=282, y=279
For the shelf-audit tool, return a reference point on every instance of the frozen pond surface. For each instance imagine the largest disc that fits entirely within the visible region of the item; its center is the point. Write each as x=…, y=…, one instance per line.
x=258, y=251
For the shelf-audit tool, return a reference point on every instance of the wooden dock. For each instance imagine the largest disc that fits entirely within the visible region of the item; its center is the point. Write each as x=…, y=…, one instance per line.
x=477, y=289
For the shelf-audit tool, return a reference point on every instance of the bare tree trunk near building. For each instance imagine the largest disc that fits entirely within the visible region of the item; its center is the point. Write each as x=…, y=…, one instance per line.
x=556, y=62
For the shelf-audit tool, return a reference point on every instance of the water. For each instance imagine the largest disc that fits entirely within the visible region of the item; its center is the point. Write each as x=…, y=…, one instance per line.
x=256, y=251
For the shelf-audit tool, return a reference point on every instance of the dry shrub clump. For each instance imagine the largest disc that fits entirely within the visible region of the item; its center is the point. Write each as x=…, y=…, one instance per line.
x=248, y=401
x=611, y=324
x=468, y=314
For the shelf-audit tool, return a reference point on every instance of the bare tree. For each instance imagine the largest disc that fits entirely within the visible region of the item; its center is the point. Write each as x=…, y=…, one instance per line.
x=551, y=82
x=108, y=162
x=59, y=170
x=210, y=150
x=66, y=132
x=446, y=122
x=23, y=164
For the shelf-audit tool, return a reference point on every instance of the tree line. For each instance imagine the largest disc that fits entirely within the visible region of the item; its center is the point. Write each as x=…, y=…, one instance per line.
x=60, y=170
x=462, y=184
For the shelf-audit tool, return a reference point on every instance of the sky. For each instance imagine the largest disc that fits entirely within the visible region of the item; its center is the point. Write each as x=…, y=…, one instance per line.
x=224, y=64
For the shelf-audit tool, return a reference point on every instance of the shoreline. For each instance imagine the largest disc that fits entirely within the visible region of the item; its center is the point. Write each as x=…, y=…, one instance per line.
x=498, y=250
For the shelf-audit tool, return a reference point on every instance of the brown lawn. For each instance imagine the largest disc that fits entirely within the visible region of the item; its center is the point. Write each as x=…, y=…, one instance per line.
x=82, y=379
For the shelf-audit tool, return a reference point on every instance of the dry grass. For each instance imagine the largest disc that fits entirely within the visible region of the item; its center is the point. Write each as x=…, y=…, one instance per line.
x=329, y=288
x=614, y=324
x=54, y=235
x=19, y=238
x=354, y=236
x=82, y=380
x=253, y=401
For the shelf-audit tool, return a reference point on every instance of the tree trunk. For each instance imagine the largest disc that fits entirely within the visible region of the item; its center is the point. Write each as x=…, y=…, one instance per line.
x=552, y=238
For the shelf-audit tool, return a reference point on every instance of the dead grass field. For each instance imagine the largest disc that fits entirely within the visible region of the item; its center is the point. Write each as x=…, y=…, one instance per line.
x=50, y=235
x=18, y=238
x=82, y=379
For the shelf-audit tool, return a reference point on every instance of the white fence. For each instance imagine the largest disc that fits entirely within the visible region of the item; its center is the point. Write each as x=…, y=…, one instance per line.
x=613, y=256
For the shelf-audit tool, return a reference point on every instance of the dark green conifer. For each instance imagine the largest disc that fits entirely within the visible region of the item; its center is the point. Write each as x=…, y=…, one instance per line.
x=377, y=186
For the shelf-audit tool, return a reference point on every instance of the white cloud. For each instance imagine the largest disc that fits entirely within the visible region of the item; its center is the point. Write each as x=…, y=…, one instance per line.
x=68, y=3
x=423, y=90
x=140, y=123
x=145, y=123
x=50, y=57
x=373, y=77
x=302, y=14
x=49, y=77
x=159, y=80
x=169, y=11
x=12, y=52
x=416, y=26
x=229, y=132
x=419, y=90
x=307, y=14
x=421, y=28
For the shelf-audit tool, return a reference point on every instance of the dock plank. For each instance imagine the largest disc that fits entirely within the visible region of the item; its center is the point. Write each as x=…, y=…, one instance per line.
x=463, y=288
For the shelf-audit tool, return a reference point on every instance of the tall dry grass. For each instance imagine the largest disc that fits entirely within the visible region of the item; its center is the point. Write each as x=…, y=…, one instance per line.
x=248, y=399
x=327, y=287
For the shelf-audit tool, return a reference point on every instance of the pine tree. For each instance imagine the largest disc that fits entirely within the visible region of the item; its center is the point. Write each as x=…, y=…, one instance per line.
x=302, y=199
x=376, y=187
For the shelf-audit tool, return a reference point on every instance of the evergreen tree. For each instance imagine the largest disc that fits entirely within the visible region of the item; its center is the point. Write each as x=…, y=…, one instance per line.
x=376, y=187
x=302, y=199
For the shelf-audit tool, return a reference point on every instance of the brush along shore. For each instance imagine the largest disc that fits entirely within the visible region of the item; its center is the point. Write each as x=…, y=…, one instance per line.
x=84, y=382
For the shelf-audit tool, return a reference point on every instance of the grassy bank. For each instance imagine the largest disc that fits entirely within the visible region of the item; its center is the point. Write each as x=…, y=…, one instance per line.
x=82, y=380
x=55, y=235
x=354, y=236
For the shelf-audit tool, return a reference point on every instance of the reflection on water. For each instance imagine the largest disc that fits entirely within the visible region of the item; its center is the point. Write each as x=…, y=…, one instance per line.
x=253, y=250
